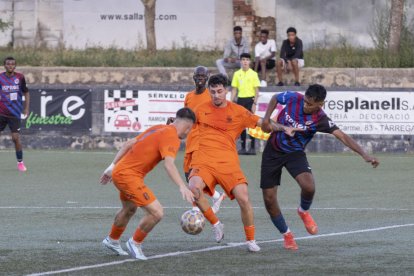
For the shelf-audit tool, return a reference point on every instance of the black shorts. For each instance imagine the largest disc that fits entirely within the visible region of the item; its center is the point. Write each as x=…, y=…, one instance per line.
x=246, y=102
x=12, y=122
x=270, y=64
x=274, y=161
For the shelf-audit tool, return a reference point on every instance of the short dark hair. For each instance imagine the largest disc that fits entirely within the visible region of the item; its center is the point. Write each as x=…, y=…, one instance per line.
x=245, y=55
x=8, y=58
x=186, y=113
x=217, y=79
x=317, y=92
x=264, y=32
x=291, y=30
x=237, y=28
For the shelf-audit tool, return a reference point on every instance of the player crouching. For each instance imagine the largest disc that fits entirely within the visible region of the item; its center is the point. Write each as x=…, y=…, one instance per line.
x=132, y=163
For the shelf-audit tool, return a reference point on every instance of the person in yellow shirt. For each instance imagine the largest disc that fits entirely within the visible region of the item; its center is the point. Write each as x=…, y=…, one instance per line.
x=245, y=86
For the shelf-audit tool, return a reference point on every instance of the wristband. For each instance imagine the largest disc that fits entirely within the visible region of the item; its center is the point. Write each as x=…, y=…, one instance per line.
x=110, y=168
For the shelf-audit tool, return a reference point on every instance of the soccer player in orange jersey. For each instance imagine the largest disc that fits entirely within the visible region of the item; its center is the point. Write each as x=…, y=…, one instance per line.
x=133, y=162
x=219, y=124
x=193, y=99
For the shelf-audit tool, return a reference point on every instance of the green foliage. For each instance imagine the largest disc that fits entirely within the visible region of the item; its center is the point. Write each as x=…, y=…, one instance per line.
x=4, y=25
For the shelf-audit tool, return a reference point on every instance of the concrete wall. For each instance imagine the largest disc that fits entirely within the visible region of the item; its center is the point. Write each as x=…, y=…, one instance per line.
x=122, y=77
x=179, y=79
x=206, y=24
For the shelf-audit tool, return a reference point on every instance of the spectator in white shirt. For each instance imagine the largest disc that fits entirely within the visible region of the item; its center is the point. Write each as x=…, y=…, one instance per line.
x=265, y=52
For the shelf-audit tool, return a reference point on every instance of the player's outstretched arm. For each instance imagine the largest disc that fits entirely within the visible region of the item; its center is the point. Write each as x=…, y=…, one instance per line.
x=353, y=145
x=279, y=127
x=266, y=125
x=175, y=176
x=107, y=174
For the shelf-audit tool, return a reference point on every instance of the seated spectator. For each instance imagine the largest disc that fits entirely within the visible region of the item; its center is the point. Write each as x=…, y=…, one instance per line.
x=265, y=52
x=291, y=56
x=234, y=48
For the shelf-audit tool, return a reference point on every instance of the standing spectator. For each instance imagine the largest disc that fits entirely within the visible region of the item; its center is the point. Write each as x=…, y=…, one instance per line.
x=291, y=56
x=234, y=48
x=265, y=52
x=245, y=85
x=12, y=89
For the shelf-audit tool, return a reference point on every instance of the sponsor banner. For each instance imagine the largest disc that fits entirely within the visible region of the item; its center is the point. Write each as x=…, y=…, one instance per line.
x=122, y=111
x=159, y=105
x=355, y=112
x=362, y=112
x=59, y=109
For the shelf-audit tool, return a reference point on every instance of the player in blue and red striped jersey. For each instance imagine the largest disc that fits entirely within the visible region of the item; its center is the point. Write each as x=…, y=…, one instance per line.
x=12, y=88
x=304, y=112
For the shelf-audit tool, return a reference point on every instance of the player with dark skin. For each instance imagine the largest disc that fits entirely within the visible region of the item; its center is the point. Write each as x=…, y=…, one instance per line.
x=288, y=152
x=19, y=80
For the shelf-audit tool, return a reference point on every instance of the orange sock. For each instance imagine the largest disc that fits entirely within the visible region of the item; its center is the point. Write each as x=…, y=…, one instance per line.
x=139, y=235
x=210, y=216
x=116, y=232
x=249, y=231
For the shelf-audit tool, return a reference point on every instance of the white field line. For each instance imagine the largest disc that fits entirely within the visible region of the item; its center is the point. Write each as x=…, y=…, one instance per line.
x=224, y=207
x=217, y=248
x=340, y=154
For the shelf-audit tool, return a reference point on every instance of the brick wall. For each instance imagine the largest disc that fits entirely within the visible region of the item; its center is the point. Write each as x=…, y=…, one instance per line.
x=244, y=15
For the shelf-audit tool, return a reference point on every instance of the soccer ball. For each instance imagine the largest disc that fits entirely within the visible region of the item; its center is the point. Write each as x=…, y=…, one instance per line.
x=193, y=222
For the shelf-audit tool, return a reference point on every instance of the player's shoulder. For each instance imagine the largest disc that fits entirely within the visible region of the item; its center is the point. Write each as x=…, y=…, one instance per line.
x=236, y=108
x=19, y=75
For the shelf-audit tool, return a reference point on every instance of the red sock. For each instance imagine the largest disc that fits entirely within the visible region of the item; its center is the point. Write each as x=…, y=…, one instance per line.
x=210, y=216
x=249, y=231
x=139, y=235
x=116, y=232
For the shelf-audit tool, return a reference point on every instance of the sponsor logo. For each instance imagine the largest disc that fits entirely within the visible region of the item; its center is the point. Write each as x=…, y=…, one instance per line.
x=360, y=104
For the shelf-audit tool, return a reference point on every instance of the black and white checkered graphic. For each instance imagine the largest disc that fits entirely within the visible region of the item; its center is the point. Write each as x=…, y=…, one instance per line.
x=121, y=110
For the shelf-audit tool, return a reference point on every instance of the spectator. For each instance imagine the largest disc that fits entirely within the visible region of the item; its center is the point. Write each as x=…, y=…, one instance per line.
x=245, y=85
x=234, y=48
x=291, y=56
x=265, y=52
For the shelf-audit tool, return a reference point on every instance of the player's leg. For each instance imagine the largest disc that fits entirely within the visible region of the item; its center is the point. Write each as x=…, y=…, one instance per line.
x=153, y=215
x=14, y=125
x=271, y=172
x=197, y=185
x=118, y=227
x=298, y=167
x=242, y=196
x=217, y=197
x=307, y=185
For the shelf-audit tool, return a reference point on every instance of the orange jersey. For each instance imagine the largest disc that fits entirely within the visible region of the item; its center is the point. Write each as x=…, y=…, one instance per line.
x=192, y=100
x=218, y=130
x=150, y=148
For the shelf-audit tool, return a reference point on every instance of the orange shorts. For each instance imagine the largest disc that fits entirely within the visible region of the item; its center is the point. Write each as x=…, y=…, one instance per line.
x=132, y=188
x=211, y=177
x=187, y=161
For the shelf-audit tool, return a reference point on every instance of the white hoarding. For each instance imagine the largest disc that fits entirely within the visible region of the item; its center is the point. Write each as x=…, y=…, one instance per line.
x=376, y=113
x=362, y=112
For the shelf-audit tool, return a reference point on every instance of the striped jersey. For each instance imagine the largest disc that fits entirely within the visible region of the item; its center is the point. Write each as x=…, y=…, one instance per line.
x=292, y=115
x=11, y=94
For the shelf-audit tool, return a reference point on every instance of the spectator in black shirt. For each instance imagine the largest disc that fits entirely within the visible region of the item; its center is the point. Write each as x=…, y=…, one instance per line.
x=291, y=56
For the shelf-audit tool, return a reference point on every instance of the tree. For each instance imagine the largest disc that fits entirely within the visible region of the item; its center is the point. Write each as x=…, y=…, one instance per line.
x=395, y=27
x=150, y=24
x=4, y=25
